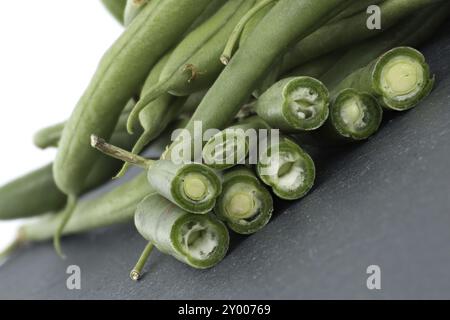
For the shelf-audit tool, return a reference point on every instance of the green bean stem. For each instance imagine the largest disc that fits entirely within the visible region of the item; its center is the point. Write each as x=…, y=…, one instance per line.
x=132, y=9
x=295, y=104
x=193, y=187
x=237, y=32
x=288, y=169
x=231, y=146
x=200, y=241
x=288, y=21
x=119, y=153
x=194, y=64
x=116, y=8
x=136, y=273
x=349, y=31
x=245, y=204
x=399, y=79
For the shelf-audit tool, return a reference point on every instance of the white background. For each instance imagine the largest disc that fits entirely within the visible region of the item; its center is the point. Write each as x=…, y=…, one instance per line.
x=49, y=51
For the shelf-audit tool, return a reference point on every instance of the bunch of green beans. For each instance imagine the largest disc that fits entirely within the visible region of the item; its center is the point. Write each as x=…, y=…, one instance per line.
x=308, y=72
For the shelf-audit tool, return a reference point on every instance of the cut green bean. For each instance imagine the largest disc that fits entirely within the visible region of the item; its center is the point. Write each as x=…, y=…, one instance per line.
x=355, y=115
x=200, y=241
x=116, y=8
x=193, y=187
x=288, y=169
x=231, y=146
x=194, y=64
x=350, y=31
x=411, y=32
x=295, y=104
x=399, y=79
x=132, y=9
x=245, y=204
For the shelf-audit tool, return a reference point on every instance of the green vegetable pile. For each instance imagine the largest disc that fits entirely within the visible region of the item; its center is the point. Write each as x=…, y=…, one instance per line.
x=310, y=70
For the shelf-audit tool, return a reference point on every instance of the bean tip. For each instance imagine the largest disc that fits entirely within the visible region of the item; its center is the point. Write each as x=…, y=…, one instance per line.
x=225, y=59
x=135, y=275
x=96, y=141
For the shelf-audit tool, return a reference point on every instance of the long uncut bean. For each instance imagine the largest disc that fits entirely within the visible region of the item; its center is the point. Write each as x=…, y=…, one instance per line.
x=295, y=104
x=114, y=207
x=358, y=7
x=399, y=79
x=286, y=23
x=30, y=195
x=245, y=204
x=200, y=241
x=116, y=8
x=194, y=64
x=120, y=74
x=231, y=146
x=349, y=31
x=287, y=168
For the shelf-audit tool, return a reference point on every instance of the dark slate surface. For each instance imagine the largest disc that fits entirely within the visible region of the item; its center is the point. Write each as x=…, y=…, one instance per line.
x=385, y=202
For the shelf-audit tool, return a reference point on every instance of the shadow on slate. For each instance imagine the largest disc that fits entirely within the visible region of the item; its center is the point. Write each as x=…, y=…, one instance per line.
x=384, y=202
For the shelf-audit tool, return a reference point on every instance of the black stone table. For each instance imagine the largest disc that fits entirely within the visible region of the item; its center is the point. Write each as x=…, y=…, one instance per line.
x=385, y=202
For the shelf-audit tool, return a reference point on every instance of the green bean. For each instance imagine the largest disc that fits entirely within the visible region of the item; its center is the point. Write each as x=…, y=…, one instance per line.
x=288, y=21
x=132, y=9
x=194, y=64
x=245, y=204
x=410, y=32
x=288, y=169
x=193, y=187
x=49, y=137
x=200, y=241
x=114, y=207
x=295, y=104
x=120, y=73
x=399, y=79
x=318, y=67
x=349, y=31
x=116, y=8
x=231, y=146
x=354, y=116
x=193, y=101
x=156, y=116
x=32, y=194
x=238, y=30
